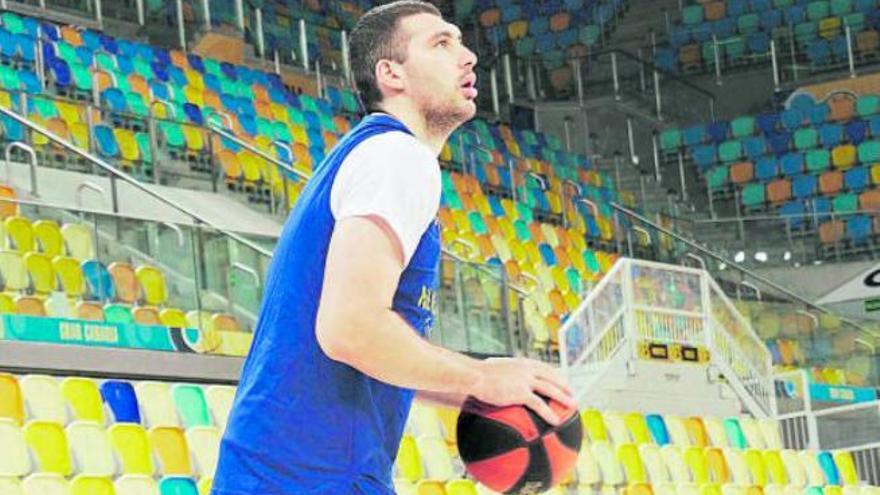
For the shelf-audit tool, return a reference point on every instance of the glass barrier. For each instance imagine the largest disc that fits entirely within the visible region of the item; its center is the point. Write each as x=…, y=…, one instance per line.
x=161, y=23
x=615, y=73
x=85, y=8
x=124, y=10
x=836, y=350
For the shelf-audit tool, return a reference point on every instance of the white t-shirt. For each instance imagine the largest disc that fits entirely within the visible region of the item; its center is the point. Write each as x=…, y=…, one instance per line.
x=394, y=176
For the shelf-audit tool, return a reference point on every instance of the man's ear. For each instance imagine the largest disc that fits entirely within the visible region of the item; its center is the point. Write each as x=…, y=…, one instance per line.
x=389, y=76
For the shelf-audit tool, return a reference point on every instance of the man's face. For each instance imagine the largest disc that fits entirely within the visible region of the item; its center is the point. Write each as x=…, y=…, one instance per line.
x=439, y=70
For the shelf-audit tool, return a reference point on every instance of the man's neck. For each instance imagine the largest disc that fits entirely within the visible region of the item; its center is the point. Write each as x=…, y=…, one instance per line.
x=414, y=121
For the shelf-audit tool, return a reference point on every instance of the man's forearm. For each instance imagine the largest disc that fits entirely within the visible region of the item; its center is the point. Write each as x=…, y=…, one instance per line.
x=392, y=352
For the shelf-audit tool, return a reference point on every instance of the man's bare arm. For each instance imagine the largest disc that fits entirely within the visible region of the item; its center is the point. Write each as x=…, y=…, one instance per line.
x=357, y=326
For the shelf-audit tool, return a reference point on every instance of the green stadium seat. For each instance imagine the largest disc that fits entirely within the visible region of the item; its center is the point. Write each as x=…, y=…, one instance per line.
x=716, y=178
x=845, y=203
x=753, y=196
x=191, y=405
x=743, y=126
x=818, y=160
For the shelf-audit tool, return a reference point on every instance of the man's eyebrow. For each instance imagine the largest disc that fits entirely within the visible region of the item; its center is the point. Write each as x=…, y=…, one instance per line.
x=448, y=33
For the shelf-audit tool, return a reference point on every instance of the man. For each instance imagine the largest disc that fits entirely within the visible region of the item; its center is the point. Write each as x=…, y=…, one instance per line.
x=340, y=343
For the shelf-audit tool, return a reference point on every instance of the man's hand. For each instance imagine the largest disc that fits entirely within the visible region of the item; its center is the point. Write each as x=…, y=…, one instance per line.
x=509, y=381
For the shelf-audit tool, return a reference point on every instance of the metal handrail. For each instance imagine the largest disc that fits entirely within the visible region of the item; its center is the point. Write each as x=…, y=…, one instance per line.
x=116, y=173
x=733, y=264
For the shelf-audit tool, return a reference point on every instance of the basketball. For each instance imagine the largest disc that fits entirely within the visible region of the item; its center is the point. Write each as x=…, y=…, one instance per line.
x=513, y=450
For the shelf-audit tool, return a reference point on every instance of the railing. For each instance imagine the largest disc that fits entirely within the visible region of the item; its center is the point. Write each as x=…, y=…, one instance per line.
x=643, y=302
x=808, y=423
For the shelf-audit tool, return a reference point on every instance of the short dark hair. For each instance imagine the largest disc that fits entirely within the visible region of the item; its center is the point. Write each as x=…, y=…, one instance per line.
x=375, y=38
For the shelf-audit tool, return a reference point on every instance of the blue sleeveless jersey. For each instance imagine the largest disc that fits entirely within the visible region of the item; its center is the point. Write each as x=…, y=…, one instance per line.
x=301, y=423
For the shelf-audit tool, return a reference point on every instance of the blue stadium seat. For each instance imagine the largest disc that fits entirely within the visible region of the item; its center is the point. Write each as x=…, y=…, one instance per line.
x=107, y=145
x=792, y=118
x=792, y=163
x=780, y=142
x=856, y=179
x=826, y=462
x=754, y=147
x=767, y=122
x=122, y=401
x=830, y=134
x=693, y=135
x=114, y=99
x=718, y=131
x=858, y=228
x=99, y=281
x=766, y=168
x=657, y=427
x=818, y=114
x=804, y=186
x=793, y=211
x=856, y=131
x=704, y=156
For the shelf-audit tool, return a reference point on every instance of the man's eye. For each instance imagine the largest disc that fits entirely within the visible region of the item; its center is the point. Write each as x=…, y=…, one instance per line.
x=443, y=43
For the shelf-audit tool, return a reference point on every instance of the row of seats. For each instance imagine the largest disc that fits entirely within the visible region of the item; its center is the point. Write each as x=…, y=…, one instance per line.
x=816, y=28
x=54, y=484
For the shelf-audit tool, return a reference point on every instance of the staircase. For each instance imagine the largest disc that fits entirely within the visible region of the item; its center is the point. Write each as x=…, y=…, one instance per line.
x=668, y=338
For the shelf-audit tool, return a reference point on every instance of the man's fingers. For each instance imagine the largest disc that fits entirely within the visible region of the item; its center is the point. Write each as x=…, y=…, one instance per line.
x=538, y=405
x=550, y=374
x=554, y=392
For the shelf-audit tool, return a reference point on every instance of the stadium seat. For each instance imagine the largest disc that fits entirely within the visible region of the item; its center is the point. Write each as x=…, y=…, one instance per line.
x=14, y=458
x=168, y=443
x=91, y=485
x=45, y=484
x=132, y=448
x=48, y=443
x=121, y=401
x=91, y=449
x=43, y=400
x=177, y=486
x=84, y=399
x=219, y=399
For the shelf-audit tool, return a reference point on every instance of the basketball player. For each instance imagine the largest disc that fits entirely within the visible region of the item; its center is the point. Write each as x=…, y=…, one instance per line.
x=340, y=345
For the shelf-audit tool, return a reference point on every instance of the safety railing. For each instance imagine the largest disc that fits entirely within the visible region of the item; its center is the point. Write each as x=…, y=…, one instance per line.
x=642, y=303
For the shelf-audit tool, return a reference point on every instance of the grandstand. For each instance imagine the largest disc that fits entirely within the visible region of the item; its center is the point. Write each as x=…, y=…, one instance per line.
x=605, y=212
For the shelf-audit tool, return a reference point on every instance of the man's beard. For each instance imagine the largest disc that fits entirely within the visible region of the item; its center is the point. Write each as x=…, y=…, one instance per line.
x=443, y=119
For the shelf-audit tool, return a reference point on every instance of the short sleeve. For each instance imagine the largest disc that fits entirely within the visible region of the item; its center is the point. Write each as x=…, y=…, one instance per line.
x=395, y=177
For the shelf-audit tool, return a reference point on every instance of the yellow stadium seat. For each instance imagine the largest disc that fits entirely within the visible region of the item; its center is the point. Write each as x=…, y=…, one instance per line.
x=408, y=462
x=42, y=397
x=696, y=461
x=131, y=446
x=594, y=425
x=612, y=474
x=674, y=460
x=205, y=484
x=169, y=446
x=629, y=459
x=404, y=487
x=156, y=404
x=49, y=239
x=14, y=271
x=14, y=458
x=461, y=487
x=435, y=457
x=652, y=458
x=70, y=275
x=204, y=443
x=7, y=304
x=11, y=400
x=39, y=267
x=153, y=285
x=775, y=467
x=638, y=428
x=219, y=398
x=739, y=470
x=678, y=433
x=697, y=431
x=173, y=317
x=733, y=489
x=136, y=484
x=90, y=446
x=719, y=472
x=9, y=485
x=797, y=476
x=19, y=234
x=79, y=239
x=715, y=431
x=84, y=399
x=430, y=487
x=755, y=462
x=45, y=484
x=846, y=466
x=91, y=485
x=128, y=146
x=664, y=488
x=48, y=443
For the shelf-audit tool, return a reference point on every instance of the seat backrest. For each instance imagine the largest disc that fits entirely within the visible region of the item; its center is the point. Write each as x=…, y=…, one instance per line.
x=91, y=448
x=435, y=458
x=84, y=398
x=98, y=279
x=69, y=273
x=219, y=399
x=91, y=485
x=121, y=400
x=49, y=238
x=125, y=280
x=153, y=285
x=10, y=485
x=170, y=448
x=612, y=474
x=79, y=240
x=134, y=484
x=45, y=484
x=48, y=442
x=132, y=448
x=177, y=486
x=14, y=271
x=156, y=404
x=204, y=443
x=14, y=458
x=191, y=405
x=42, y=397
